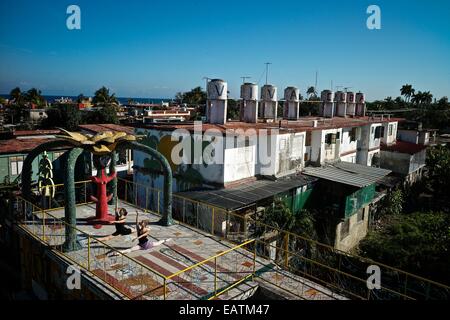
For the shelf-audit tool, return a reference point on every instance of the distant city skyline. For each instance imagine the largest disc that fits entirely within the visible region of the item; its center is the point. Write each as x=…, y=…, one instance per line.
x=154, y=49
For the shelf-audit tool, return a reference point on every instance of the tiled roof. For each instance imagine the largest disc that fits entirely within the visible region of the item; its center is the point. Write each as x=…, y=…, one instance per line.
x=301, y=125
x=21, y=133
x=11, y=146
x=96, y=128
x=404, y=147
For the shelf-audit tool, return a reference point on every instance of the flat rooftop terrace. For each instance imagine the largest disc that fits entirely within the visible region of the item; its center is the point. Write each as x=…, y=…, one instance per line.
x=176, y=270
x=303, y=124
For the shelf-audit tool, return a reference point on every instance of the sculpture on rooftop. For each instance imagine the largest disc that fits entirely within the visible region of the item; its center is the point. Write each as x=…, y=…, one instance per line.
x=46, y=186
x=103, y=146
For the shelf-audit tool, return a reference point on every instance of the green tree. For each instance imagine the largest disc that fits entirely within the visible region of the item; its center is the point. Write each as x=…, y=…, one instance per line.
x=280, y=216
x=103, y=97
x=64, y=116
x=233, y=111
x=417, y=243
x=407, y=91
x=438, y=173
x=16, y=95
x=194, y=97
x=106, y=114
x=34, y=96
x=311, y=92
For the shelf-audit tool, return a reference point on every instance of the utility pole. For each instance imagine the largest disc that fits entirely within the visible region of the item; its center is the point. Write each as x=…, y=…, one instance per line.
x=267, y=69
x=243, y=78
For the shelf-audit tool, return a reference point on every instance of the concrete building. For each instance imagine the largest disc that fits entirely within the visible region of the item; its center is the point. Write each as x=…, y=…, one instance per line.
x=14, y=147
x=227, y=156
x=404, y=159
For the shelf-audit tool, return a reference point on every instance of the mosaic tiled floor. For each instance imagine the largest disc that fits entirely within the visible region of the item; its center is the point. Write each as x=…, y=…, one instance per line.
x=188, y=247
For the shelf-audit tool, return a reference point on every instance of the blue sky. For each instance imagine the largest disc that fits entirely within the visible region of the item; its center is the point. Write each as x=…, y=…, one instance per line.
x=156, y=48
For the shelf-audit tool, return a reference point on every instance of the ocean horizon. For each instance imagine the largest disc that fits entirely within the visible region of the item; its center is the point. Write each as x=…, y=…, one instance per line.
x=122, y=100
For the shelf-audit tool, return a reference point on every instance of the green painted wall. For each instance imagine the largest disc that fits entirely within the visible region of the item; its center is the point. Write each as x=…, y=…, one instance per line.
x=5, y=167
x=296, y=200
x=359, y=199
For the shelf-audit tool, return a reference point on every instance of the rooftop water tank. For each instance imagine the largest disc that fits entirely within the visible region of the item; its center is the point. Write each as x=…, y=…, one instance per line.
x=292, y=94
x=351, y=98
x=249, y=91
x=360, y=97
x=327, y=96
x=269, y=93
x=217, y=90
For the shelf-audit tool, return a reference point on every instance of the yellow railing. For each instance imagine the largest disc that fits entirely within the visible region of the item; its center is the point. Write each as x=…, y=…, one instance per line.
x=322, y=263
x=210, y=278
x=95, y=256
x=334, y=269
x=130, y=277
x=55, y=203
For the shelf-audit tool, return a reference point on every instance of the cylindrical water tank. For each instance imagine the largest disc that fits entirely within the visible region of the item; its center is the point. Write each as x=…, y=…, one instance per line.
x=291, y=94
x=360, y=97
x=351, y=98
x=217, y=90
x=341, y=96
x=269, y=93
x=249, y=91
x=327, y=96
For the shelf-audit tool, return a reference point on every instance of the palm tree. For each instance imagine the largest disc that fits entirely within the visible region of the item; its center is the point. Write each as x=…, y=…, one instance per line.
x=427, y=97
x=311, y=92
x=16, y=95
x=407, y=91
x=102, y=96
x=417, y=97
x=34, y=96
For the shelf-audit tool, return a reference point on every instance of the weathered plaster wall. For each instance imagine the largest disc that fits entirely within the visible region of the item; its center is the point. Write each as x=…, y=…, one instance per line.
x=358, y=230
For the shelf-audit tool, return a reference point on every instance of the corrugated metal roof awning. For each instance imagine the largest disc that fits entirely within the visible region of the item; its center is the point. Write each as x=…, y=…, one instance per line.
x=348, y=173
x=242, y=196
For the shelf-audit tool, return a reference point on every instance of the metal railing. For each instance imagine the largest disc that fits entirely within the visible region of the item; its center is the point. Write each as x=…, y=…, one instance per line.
x=130, y=277
x=212, y=277
x=83, y=191
x=334, y=269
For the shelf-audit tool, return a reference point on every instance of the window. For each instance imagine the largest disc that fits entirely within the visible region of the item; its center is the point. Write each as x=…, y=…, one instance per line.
x=390, y=130
x=330, y=138
x=122, y=157
x=379, y=132
x=16, y=164
x=308, y=139
x=345, y=228
x=353, y=134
